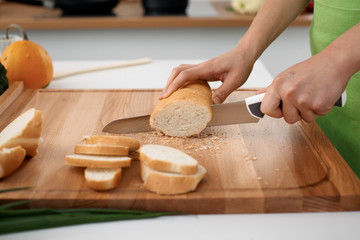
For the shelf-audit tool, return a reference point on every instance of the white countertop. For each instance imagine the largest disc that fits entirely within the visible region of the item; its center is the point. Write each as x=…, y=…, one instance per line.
x=336, y=225
x=153, y=75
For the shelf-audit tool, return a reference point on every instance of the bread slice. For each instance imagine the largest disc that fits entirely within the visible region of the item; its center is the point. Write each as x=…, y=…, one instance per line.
x=97, y=161
x=167, y=159
x=102, y=178
x=24, y=131
x=132, y=143
x=10, y=160
x=170, y=183
x=107, y=150
x=184, y=113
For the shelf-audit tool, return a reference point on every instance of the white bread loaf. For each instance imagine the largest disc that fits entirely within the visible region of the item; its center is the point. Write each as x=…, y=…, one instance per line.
x=170, y=183
x=24, y=131
x=10, y=160
x=132, y=143
x=106, y=150
x=185, y=112
x=97, y=161
x=102, y=178
x=167, y=159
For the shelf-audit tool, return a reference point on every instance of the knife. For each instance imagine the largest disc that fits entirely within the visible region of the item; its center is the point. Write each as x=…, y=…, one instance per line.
x=245, y=111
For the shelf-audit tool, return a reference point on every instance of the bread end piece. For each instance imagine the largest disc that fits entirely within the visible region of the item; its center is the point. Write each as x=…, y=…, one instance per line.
x=10, y=160
x=184, y=113
x=102, y=178
x=25, y=131
x=170, y=183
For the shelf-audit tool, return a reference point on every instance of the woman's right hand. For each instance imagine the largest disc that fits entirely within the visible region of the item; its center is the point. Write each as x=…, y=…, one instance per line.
x=232, y=69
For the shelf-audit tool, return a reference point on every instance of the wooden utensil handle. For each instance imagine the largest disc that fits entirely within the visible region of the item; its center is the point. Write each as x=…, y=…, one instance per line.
x=102, y=68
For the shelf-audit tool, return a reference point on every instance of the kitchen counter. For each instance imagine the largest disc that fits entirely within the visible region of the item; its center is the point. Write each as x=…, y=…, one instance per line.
x=336, y=225
x=130, y=15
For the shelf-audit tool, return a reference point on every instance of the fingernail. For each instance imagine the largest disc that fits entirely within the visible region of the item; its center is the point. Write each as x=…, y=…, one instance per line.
x=162, y=95
x=216, y=100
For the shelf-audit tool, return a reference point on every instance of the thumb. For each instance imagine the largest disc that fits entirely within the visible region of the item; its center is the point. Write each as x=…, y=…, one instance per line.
x=271, y=103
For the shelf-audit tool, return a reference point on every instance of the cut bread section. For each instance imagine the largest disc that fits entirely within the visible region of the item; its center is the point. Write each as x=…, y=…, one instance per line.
x=102, y=178
x=10, y=160
x=132, y=143
x=184, y=113
x=24, y=131
x=95, y=149
x=170, y=183
x=167, y=159
x=97, y=161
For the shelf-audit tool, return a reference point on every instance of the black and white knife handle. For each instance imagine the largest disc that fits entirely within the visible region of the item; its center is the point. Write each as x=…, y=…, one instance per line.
x=253, y=104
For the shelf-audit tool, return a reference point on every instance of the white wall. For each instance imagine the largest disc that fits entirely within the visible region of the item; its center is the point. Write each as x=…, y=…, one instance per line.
x=183, y=43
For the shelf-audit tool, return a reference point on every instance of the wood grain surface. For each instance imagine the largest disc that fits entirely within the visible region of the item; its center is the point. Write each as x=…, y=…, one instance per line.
x=252, y=168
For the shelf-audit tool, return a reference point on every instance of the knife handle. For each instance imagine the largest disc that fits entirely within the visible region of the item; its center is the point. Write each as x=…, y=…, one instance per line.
x=253, y=104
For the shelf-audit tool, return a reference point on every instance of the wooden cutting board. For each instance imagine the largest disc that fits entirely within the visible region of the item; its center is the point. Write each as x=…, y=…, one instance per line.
x=252, y=168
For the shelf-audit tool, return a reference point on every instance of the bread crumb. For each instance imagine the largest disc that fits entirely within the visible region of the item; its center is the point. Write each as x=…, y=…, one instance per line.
x=259, y=178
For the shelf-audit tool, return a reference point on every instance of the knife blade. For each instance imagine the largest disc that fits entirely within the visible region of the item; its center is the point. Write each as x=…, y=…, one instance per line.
x=245, y=111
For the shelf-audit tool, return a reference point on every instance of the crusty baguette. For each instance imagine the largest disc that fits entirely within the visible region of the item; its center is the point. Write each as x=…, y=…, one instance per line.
x=170, y=183
x=97, y=161
x=107, y=150
x=10, y=160
x=184, y=113
x=24, y=131
x=132, y=143
x=102, y=178
x=167, y=159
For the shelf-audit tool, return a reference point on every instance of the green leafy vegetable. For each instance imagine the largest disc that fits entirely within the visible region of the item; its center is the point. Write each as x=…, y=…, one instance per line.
x=4, y=83
x=16, y=220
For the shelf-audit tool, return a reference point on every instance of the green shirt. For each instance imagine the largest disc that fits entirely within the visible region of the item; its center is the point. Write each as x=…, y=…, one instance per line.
x=342, y=125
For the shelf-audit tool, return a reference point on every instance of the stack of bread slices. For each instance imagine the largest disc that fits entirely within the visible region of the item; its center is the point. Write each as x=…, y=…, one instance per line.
x=19, y=139
x=103, y=158
x=166, y=170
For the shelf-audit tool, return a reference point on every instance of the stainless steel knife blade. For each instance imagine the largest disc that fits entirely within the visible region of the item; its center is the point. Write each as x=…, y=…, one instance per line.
x=223, y=114
x=245, y=111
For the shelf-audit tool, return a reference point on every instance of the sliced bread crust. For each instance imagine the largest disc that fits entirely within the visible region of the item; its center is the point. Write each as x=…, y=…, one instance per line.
x=25, y=131
x=97, y=161
x=10, y=160
x=132, y=143
x=184, y=113
x=102, y=178
x=167, y=159
x=95, y=149
x=170, y=183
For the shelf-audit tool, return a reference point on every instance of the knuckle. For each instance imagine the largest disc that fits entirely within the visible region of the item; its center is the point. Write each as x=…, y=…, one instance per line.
x=320, y=108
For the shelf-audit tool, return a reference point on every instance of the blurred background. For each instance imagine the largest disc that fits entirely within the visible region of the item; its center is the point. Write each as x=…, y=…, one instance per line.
x=157, y=29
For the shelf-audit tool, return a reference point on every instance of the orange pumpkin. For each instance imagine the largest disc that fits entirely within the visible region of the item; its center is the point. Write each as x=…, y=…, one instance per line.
x=28, y=62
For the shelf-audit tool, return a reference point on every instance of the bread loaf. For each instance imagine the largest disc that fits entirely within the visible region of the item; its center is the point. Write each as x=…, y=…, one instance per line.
x=167, y=159
x=184, y=113
x=170, y=183
x=24, y=131
x=102, y=178
x=10, y=160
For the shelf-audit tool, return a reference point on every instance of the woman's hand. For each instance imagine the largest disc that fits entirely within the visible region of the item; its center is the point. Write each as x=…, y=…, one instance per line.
x=305, y=90
x=311, y=88
x=232, y=68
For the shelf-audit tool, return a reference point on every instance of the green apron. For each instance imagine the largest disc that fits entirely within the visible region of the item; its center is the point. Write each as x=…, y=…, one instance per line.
x=342, y=125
